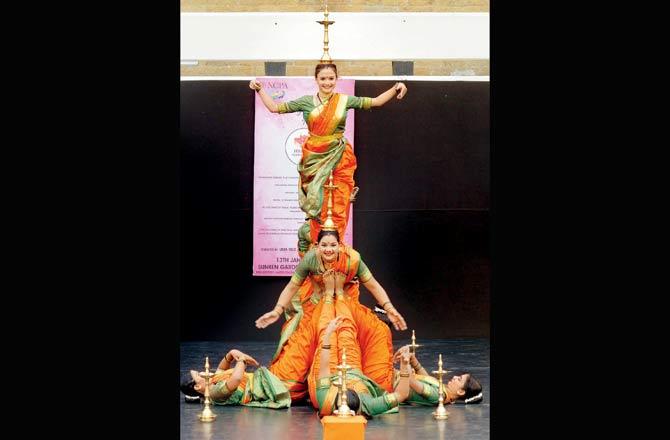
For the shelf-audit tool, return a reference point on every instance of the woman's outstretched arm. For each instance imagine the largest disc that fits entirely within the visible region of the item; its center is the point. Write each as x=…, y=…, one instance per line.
x=382, y=298
x=267, y=100
x=399, y=90
x=282, y=303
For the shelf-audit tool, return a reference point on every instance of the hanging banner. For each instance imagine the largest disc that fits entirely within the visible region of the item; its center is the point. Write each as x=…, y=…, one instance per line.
x=278, y=140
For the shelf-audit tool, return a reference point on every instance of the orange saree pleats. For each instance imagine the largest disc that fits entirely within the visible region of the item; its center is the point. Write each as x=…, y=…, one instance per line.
x=343, y=178
x=374, y=339
x=292, y=364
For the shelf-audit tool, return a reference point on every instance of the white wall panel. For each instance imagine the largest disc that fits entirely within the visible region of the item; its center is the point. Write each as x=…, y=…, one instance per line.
x=277, y=36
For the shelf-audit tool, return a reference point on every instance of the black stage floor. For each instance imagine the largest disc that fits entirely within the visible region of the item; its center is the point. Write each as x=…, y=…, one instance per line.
x=469, y=422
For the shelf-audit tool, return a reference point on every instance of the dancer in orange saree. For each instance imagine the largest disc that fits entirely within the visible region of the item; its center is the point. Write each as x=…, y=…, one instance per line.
x=326, y=149
x=336, y=331
x=235, y=386
x=324, y=152
x=334, y=268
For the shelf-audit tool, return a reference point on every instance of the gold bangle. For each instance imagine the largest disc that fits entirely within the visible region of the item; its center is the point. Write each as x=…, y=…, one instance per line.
x=404, y=374
x=326, y=347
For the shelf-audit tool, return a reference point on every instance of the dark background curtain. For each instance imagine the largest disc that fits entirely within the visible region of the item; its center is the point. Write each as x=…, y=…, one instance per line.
x=421, y=219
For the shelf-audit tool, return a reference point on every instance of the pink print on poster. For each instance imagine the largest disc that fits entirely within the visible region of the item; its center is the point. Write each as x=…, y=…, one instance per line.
x=277, y=151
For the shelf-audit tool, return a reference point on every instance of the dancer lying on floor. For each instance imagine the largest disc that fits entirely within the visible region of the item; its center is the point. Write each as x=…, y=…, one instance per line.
x=235, y=386
x=364, y=396
x=459, y=386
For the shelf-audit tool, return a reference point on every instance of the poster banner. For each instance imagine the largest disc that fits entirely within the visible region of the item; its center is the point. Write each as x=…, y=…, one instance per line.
x=277, y=152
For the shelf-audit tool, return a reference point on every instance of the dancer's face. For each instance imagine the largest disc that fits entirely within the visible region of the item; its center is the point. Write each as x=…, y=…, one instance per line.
x=199, y=382
x=326, y=80
x=329, y=247
x=457, y=383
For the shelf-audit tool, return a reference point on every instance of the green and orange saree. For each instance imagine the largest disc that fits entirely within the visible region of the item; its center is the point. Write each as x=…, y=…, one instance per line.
x=299, y=335
x=429, y=395
x=259, y=389
x=374, y=399
x=364, y=337
x=323, y=392
x=326, y=150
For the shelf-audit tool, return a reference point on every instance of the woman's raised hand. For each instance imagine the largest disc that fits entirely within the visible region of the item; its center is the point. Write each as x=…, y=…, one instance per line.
x=401, y=351
x=267, y=319
x=240, y=356
x=250, y=361
x=255, y=85
x=401, y=90
x=396, y=319
x=332, y=325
